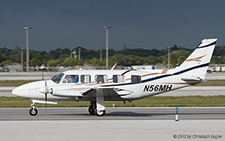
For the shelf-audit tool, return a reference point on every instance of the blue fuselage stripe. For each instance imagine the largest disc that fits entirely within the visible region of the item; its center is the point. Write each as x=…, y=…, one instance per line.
x=180, y=72
x=159, y=77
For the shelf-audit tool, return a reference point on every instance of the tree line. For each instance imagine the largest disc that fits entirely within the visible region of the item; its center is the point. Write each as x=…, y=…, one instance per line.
x=124, y=57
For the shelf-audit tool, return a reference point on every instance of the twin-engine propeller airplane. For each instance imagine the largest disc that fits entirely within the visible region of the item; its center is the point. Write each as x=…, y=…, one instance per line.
x=98, y=86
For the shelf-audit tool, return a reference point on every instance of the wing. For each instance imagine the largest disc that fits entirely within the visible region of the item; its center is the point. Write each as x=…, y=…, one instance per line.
x=108, y=93
x=89, y=93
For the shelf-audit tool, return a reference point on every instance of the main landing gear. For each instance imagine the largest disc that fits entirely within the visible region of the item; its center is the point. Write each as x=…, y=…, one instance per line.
x=93, y=110
x=33, y=111
x=96, y=107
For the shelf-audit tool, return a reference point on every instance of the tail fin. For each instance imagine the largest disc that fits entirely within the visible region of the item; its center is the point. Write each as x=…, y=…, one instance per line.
x=195, y=66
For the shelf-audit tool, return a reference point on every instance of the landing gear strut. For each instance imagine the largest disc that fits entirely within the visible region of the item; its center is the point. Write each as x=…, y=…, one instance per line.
x=33, y=111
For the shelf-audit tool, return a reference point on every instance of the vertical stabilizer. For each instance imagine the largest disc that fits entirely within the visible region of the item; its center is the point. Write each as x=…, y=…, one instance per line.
x=197, y=63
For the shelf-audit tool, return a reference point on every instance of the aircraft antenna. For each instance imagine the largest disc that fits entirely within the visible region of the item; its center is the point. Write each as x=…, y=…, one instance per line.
x=46, y=92
x=114, y=66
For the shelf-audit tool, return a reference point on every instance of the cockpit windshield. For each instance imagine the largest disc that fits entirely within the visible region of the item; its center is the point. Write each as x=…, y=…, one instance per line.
x=57, y=78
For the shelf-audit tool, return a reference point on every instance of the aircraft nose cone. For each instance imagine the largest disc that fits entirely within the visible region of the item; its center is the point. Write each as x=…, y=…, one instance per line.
x=30, y=90
x=14, y=91
x=17, y=92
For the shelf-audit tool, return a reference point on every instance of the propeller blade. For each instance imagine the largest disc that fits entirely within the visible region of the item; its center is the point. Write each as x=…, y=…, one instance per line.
x=46, y=92
x=45, y=83
x=46, y=99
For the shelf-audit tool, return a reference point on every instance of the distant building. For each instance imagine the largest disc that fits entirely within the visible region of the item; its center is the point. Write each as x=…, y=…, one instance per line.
x=217, y=67
x=149, y=67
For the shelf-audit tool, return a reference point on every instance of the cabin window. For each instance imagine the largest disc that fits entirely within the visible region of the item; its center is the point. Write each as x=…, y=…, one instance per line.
x=118, y=78
x=101, y=78
x=57, y=78
x=71, y=79
x=135, y=78
x=85, y=78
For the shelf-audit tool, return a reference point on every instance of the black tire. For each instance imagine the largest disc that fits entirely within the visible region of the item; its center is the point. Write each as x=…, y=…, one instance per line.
x=33, y=111
x=100, y=114
x=91, y=110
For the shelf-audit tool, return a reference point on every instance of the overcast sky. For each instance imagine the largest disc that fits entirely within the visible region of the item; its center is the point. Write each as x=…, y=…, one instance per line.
x=136, y=23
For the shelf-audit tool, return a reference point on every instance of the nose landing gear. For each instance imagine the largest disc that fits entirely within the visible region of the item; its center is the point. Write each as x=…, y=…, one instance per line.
x=33, y=111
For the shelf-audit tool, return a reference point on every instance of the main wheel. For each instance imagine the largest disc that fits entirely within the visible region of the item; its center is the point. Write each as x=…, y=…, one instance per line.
x=99, y=113
x=33, y=111
x=91, y=110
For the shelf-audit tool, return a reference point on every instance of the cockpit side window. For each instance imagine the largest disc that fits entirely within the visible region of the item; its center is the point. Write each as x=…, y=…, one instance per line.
x=71, y=79
x=57, y=78
x=135, y=78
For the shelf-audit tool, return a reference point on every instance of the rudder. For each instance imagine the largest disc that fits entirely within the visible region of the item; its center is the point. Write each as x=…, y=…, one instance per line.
x=197, y=63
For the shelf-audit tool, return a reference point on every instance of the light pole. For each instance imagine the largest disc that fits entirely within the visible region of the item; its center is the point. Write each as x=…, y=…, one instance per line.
x=79, y=53
x=27, y=33
x=71, y=53
x=168, y=57
x=21, y=50
x=107, y=45
x=100, y=55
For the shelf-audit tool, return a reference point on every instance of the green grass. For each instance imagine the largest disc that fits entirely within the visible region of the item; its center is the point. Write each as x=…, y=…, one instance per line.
x=213, y=83
x=14, y=82
x=185, y=101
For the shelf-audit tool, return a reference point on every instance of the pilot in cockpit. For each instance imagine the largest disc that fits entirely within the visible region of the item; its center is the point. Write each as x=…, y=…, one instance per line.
x=74, y=79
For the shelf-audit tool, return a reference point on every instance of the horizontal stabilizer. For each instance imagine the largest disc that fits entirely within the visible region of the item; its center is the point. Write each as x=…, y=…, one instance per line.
x=193, y=80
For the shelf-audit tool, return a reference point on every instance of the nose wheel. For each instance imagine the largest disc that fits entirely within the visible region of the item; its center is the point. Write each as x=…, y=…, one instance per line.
x=33, y=111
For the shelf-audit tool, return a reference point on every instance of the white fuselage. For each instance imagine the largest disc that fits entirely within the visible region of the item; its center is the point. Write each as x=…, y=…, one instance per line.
x=147, y=83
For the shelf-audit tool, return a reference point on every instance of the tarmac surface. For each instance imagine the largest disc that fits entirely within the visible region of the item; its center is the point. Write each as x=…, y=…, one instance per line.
x=131, y=124
x=26, y=75
x=118, y=113
x=6, y=91
x=215, y=75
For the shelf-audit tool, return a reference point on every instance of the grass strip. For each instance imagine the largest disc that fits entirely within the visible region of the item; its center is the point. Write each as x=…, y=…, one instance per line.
x=11, y=83
x=184, y=101
x=213, y=83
